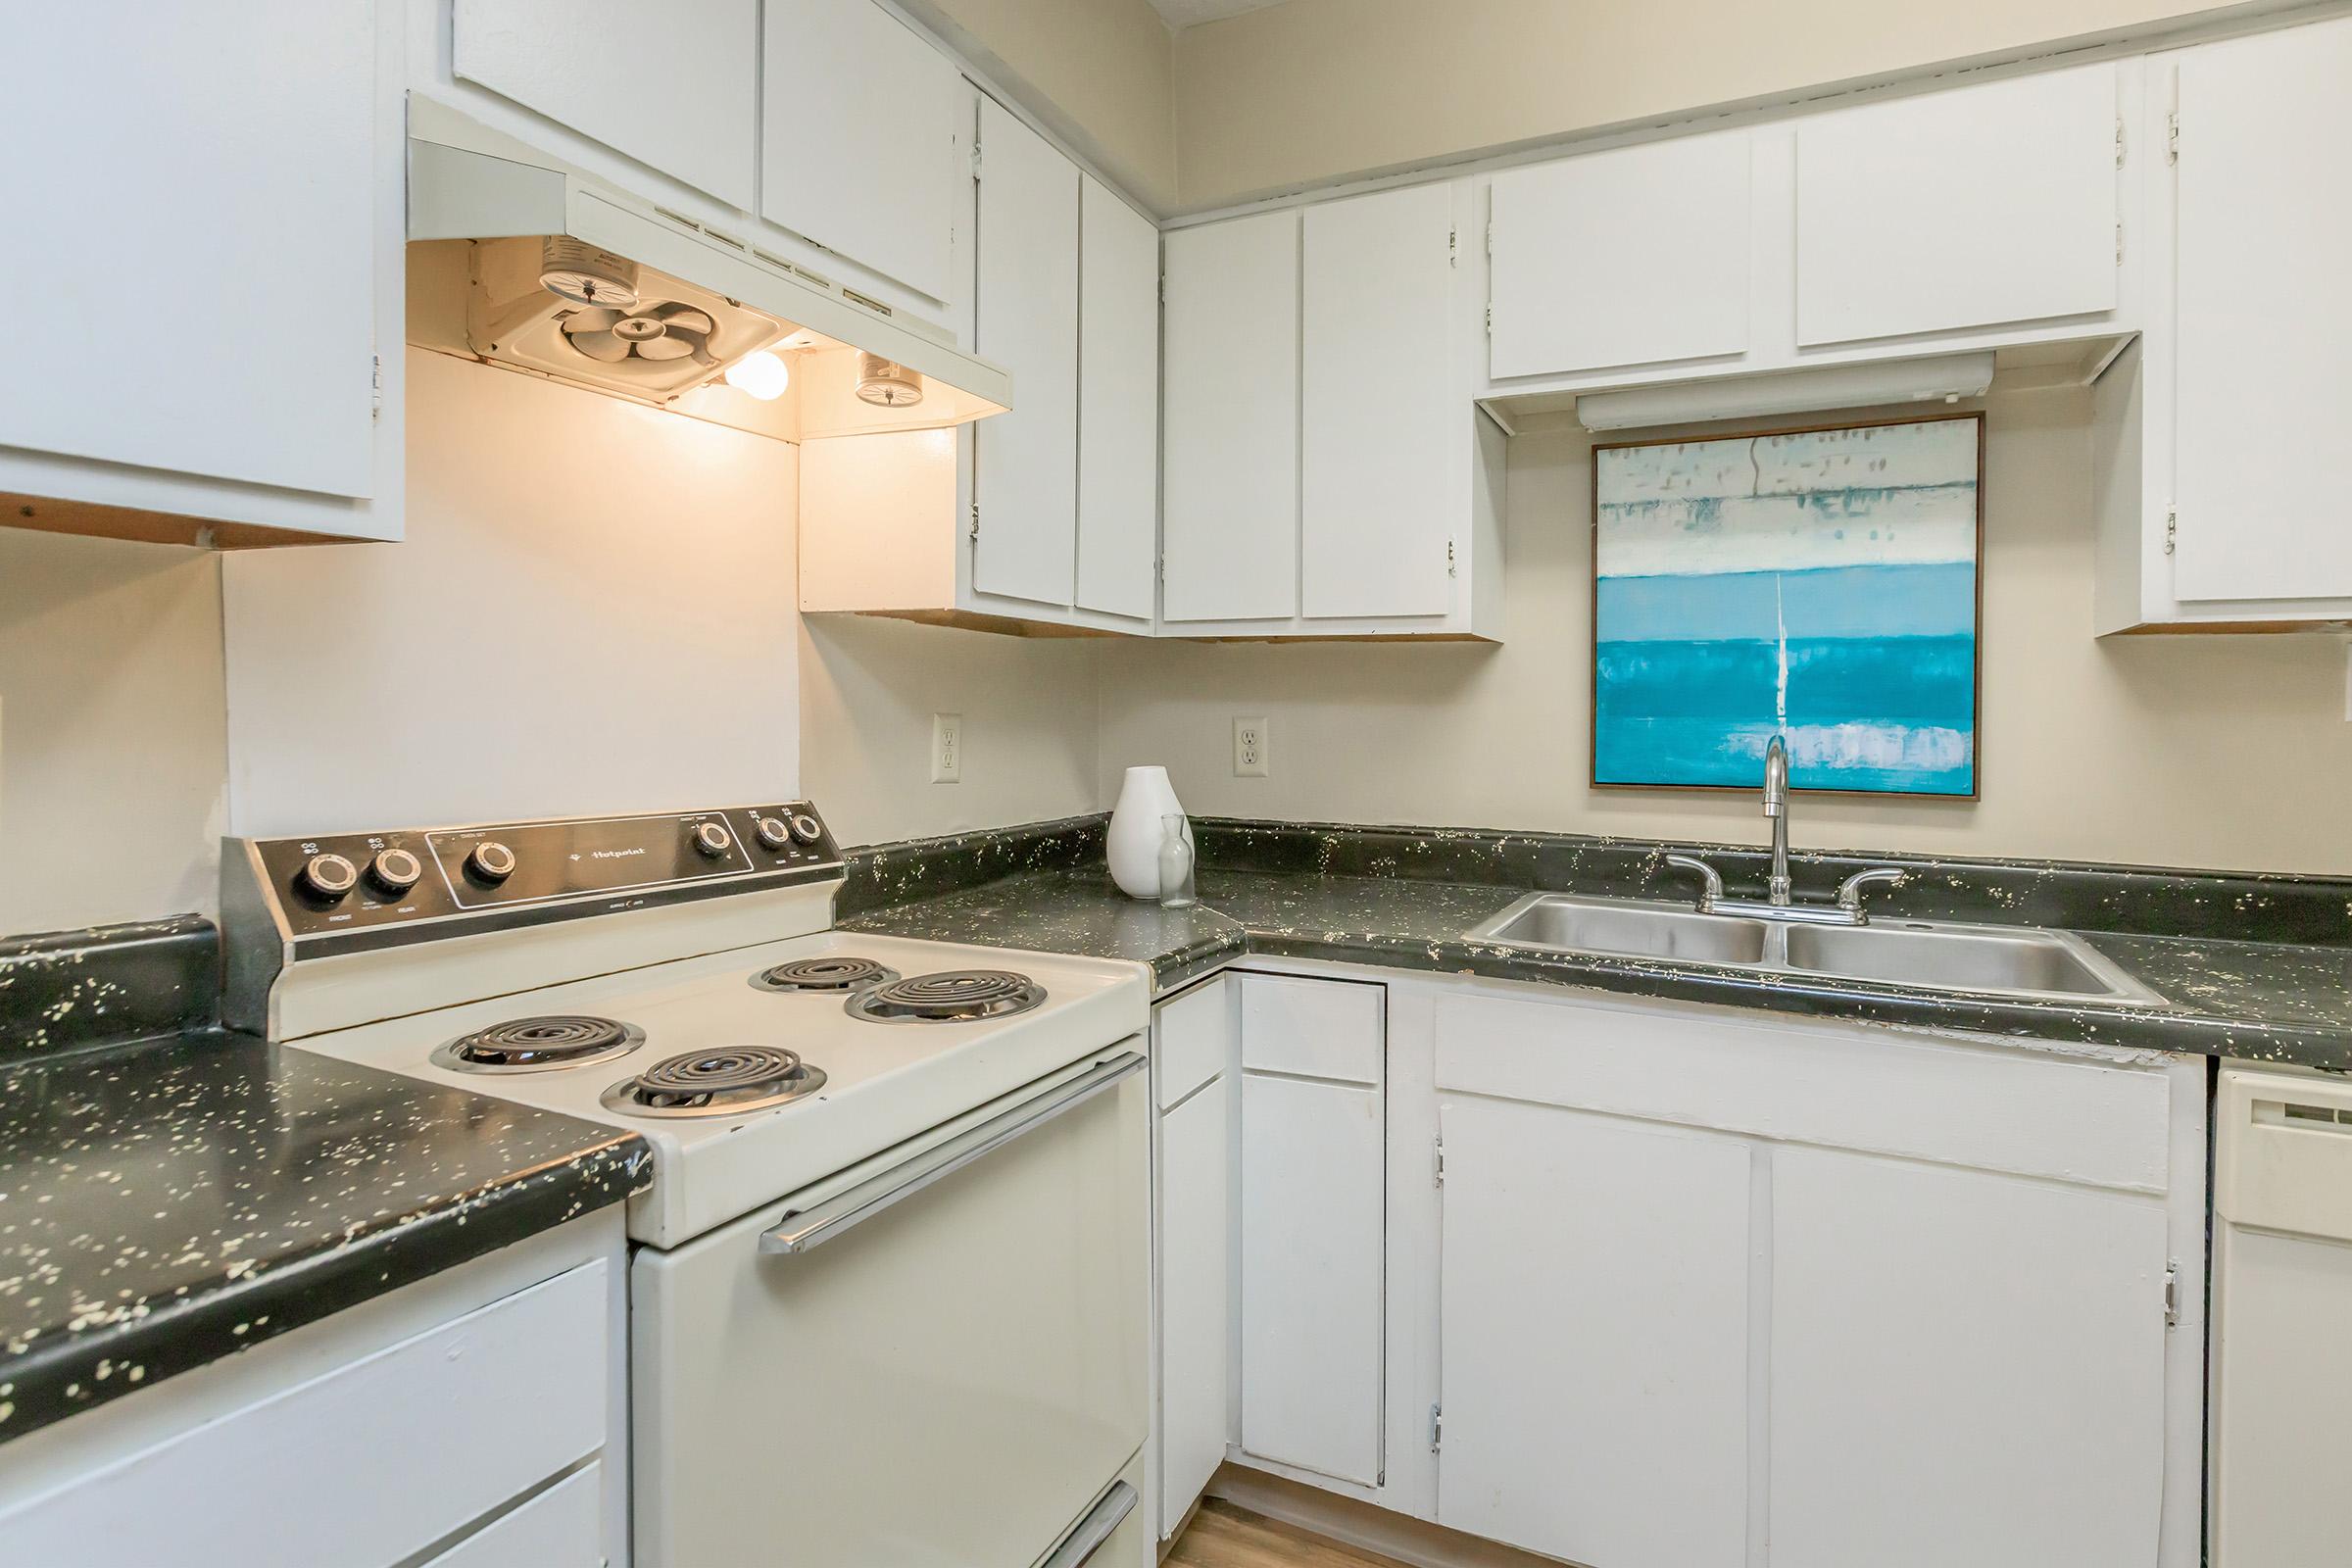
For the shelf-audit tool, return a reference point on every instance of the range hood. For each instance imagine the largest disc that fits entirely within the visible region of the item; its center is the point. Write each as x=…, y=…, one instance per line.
x=573, y=279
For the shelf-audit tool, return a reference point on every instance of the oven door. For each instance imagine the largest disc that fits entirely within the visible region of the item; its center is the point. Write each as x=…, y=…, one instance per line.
x=937, y=1357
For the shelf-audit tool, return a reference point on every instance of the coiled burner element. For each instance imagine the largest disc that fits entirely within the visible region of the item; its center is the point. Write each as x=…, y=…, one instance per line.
x=536, y=1044
x=715, y=1083
x=834, y=972
x=957, y=995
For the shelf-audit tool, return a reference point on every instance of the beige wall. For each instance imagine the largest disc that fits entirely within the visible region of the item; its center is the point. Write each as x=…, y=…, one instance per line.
x=868, y=688
x=1316, y=90
x=2178, y=750
x=113, y=767
x=1100, y=72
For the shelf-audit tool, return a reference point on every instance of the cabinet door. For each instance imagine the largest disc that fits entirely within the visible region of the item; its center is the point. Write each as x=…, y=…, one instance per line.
x=2261, y=333
x=192, y=252
x=1593, y=1342
x=1968, y=208
x=1196, y=1246
x=1025, y=479
x=858, y=138
x=1313, y=1303
x=1633, y=256
x=1118, y=403
x=1385, y=428
x=676, y=89
x=1230, y=524
x=1966, y=1368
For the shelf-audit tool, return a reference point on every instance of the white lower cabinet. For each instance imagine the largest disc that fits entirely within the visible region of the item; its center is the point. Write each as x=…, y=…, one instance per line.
x=1594, y=1335
x=383, y=1436
x=1713, y=1290
x=1967, y=1368
x=1312, y=1228
x=1192, y=1046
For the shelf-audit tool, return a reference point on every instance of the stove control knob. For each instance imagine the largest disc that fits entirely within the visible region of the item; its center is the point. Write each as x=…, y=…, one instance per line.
x=807, y=828
x=395, y=870
x=491, y=860
x=329, y=875
x=773, y=832
x=712, y=839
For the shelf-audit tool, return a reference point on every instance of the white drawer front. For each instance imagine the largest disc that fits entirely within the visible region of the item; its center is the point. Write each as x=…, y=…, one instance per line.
x=1192, y=1035
x=560, y=1528
x=365, y=1466
x=1312, y=1028
x=2007, y=1109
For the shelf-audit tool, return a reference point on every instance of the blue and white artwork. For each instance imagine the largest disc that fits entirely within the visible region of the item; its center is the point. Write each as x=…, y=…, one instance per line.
x=1820, y=585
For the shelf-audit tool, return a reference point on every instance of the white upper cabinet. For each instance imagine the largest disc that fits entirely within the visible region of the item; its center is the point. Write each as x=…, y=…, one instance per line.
x=1026, y=470
x=1384, y=444
x=675, y=87
x=2262, y=331
x=1967, y=208
x=1637, y=255
x=1118, y=403
x=204, y=208
x=1230, y=522
x=859, y=138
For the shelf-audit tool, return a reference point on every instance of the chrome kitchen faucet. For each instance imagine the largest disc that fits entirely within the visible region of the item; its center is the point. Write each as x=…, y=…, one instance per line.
x=1780, y=902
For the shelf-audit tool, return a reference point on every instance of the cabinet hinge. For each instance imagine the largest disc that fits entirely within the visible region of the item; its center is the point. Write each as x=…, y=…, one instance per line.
x=376, y=390
x=1160, y=567
x=1437, y=1427
x=2171, y=137
x=1450, y=571
x=1489, y=318
x=975, y=523
x=2119, y=244
x=2119, y=141
x=2172, y=1296
x=2172, y=529
x=1452, y=244
x=975, y=157
x=1438, y=1162
x=1163, y=288
x=1490, y=239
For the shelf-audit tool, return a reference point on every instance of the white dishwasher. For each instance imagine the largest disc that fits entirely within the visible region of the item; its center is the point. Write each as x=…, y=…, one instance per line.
x=2280, y=1424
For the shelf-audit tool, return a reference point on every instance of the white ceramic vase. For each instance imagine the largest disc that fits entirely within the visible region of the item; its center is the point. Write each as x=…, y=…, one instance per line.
x=1136, y=832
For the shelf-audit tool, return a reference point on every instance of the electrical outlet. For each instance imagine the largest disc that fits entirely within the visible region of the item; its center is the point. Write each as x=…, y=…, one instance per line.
x=947, y=748
x=1248, y=748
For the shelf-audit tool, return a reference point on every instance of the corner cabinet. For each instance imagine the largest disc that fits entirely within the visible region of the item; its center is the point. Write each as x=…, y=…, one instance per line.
x=210, y=234
x=1043, y=518
x=2209, y=433
x=1328, y=474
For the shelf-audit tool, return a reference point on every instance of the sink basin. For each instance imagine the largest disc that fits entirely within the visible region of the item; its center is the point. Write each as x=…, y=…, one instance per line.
x=1629, y=927
x=1962, y=958
x=1928, y=954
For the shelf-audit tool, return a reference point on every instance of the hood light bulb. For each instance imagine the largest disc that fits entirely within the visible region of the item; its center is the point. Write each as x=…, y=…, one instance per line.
x=760, y=374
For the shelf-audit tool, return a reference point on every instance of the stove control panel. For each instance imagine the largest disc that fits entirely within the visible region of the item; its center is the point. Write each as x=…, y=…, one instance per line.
x=370, y=881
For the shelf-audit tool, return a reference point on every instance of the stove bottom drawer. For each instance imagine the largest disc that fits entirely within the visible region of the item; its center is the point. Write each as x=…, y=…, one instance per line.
x=950, y=1379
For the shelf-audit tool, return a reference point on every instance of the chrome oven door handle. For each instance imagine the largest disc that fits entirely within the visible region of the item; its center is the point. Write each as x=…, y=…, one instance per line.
x=1101, y=1520
x=801, y=1230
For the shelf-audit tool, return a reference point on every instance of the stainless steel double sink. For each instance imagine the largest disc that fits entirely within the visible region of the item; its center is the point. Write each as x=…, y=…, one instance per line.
x=1997, y=960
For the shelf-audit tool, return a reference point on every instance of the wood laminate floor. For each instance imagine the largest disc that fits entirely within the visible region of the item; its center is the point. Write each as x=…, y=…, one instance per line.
x=1222, y=1535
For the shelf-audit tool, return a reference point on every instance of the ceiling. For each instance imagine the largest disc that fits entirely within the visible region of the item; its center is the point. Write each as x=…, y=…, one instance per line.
x=1186, y=13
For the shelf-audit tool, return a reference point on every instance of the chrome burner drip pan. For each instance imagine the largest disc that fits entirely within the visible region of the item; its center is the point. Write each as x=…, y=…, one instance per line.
x=539, y=1044
x=727, y=1081
x=956, y=995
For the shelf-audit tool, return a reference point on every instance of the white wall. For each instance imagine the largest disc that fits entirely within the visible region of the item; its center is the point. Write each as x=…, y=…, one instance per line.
x=112, y=748
x=868, y=689
x=2227, y=751
x=1316, y=90
x=592, y=612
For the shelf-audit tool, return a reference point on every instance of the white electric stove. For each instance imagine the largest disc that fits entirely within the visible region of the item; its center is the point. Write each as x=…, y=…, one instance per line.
x=894, y=1245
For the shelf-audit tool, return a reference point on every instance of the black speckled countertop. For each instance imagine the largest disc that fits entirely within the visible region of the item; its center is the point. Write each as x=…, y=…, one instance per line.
x=168, y=1199
x=2266, y=1001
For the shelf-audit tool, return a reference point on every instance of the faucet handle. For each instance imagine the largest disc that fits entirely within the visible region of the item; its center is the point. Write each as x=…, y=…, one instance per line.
x=1849, y=891
x=1712, y=883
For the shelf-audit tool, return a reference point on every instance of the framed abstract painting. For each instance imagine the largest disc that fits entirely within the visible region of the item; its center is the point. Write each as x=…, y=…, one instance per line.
x=1821, y=585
